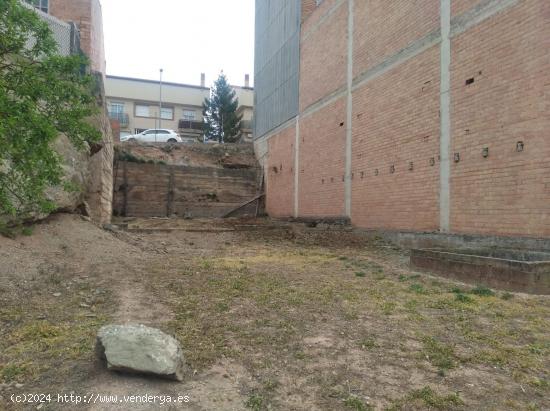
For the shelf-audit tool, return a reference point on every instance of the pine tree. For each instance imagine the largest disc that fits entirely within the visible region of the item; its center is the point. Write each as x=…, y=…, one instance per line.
x=220, y=112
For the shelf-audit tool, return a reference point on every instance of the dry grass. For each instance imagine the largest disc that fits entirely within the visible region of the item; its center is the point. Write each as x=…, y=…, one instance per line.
x=304, y=322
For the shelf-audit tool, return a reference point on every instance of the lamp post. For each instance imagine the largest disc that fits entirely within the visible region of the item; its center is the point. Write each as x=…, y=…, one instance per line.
x=160, y=104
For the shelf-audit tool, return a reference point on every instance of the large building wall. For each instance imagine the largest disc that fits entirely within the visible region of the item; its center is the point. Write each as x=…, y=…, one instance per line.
x=508, y=102
x=398, y=100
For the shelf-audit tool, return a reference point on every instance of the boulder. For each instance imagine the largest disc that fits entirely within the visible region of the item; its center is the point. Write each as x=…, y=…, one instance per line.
x=139, y=349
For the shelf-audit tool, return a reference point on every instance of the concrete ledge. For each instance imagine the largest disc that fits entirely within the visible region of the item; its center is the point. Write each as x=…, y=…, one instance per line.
x=504, y=269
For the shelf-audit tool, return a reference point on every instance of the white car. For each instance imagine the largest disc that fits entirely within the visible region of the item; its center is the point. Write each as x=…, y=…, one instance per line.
x=154, y=136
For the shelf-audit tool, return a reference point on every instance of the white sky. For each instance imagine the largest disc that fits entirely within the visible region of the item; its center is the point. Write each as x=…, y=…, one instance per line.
x=184, y=37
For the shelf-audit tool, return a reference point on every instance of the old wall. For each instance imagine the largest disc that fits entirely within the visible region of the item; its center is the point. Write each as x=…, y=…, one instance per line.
x=158, y=190
x=98, y=187
x=397, y=104
x=87, y=15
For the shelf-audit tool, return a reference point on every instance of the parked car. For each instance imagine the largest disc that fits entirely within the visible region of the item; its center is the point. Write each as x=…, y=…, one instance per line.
x=154, y=136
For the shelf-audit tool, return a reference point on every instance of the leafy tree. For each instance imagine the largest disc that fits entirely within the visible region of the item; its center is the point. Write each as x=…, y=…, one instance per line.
x=42, y=95
x=220, y=112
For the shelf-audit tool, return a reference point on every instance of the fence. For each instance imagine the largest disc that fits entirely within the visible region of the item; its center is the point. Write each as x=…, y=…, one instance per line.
x=66, y=35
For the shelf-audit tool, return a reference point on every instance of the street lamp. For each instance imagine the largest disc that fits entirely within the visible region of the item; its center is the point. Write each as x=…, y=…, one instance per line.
x=160, y=104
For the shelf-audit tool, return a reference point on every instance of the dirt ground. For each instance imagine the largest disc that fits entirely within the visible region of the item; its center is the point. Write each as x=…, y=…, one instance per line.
x=271, y=316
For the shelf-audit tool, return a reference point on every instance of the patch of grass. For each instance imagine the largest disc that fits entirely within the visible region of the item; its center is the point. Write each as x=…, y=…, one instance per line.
x=482, y=291
x=507, y=296
x=417, y=288
x=27, y=230
x=360, y=274
x=368, y=343
x=15, y=372
x=355, y=403
x=439, y=354
x=255, y=402
x=463, y=298
x=426, y=398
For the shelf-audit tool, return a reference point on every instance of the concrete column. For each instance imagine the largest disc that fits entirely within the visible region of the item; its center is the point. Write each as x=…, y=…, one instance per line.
x=445, y=110
x=296, y=166
x=349, y=112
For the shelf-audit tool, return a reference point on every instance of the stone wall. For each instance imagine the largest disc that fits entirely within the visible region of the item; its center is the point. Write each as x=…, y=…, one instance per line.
x=161, y=190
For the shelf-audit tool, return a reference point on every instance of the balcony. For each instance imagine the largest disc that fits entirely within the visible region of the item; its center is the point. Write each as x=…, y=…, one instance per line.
x=247, y=125
x=190, y=125
x=121, y=117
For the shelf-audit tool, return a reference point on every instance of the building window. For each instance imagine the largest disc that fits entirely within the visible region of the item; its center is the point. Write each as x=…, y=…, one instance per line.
x=167, y=113
x=142, y=111
x=188, y=115
x=117, y=108
x=41, y=5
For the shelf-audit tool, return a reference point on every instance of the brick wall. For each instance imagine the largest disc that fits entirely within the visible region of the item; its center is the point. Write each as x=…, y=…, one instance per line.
x=396, y=123
x=279, y=173
x=323, y=56
x=322, y=141
x=509, y=101
x=88, y=17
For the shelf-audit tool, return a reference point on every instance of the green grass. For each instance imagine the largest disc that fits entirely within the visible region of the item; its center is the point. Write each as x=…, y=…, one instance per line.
x=255, y=402
x=355, y=403
x=439, y=354
x=426, y=398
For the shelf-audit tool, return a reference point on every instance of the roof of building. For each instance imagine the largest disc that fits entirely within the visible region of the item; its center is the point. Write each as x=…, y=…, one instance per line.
x=166, y=83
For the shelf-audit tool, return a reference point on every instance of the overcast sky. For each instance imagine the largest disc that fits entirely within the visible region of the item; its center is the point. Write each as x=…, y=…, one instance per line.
x=184, y=37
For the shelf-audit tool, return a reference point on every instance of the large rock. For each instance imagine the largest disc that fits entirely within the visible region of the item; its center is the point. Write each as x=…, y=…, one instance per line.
x=141, y=349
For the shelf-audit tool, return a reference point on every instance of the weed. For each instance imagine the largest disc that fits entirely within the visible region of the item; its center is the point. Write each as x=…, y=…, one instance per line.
x=428, y=399
x=463, y=298
x=368, y=343
x=355, y=403
x=417, y=288
x=360, y=274
x=439, y=354
x=255, y=402
x=342, y=258
x=507, y=296
x=482, y=291
x=27, y=230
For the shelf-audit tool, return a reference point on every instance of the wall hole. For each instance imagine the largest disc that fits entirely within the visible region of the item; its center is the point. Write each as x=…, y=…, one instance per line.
x=470, y=81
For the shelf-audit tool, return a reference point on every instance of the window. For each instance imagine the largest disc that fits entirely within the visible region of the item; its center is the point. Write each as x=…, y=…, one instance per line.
x=188, y=115
x=41, y=5
x=139, y=130
x=162, y=132
x=142, y=111
x=167, y=113
x=151, y=132
x=117, y=108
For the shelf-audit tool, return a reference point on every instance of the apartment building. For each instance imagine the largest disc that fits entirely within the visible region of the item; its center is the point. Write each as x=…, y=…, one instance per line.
x=135, y=105
x=406, y=116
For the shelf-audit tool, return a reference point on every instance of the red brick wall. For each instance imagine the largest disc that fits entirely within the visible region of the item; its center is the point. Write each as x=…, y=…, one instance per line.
x=323, y=57
x=396, y=122
x=316, y=13
x=322, y=156
x=382, y=28
x=88, y=17
x=508, y=57
x=396, y=119
x=279, y=174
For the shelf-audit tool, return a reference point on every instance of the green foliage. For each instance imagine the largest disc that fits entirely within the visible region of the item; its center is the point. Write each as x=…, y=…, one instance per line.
x=482, y=291
x=42, y=95
x=355, y=403
x=255, y=402
x=439, y=354
x=222, y=122
x=463, y=298
x=428, y=399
